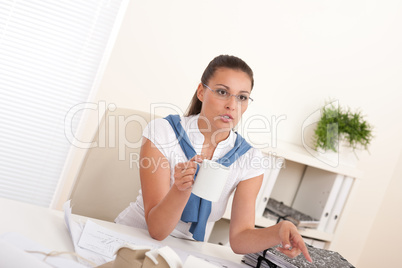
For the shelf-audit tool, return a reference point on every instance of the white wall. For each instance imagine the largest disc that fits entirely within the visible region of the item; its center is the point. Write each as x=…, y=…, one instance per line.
x=303, y=53
x=379, y=250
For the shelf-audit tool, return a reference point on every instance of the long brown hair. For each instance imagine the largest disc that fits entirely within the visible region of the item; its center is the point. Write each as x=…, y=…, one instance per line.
x=222, y=61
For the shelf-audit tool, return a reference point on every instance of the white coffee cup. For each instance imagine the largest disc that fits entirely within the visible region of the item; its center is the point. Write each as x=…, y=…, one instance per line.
x=210, y=180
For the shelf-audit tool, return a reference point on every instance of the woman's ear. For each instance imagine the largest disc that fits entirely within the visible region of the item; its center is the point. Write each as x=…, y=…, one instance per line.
x=200, y=92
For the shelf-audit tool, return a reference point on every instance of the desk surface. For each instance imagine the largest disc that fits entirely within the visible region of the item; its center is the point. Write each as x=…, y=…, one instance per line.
x=47, y=227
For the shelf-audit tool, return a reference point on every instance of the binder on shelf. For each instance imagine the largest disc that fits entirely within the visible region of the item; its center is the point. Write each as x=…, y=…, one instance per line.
x=317, y=194
x=339, y=204
x=270, y=176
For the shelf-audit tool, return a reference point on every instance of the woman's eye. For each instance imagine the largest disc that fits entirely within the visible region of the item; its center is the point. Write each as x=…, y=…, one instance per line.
x=243, y=98
x=221, y=92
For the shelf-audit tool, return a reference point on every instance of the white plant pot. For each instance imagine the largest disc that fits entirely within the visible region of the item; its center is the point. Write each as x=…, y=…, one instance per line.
x=345, y=156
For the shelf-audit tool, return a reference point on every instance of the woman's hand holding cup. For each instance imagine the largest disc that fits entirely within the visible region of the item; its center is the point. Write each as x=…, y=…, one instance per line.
x=184, y=173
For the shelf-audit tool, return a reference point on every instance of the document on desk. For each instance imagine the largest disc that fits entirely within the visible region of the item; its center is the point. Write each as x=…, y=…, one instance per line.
x=106, y=242
x=99, y=244
x=76, y=229
x=96, y=243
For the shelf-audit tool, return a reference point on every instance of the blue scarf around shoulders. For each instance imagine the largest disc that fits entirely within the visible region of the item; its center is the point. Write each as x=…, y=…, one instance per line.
x=197, y=210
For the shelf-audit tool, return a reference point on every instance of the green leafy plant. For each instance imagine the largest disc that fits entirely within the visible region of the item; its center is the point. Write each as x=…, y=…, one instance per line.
x=337, y=124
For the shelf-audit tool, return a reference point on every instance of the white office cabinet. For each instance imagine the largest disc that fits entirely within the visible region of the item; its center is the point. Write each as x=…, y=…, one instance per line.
x=307, y=184
x=314, y=242
x=318, y=244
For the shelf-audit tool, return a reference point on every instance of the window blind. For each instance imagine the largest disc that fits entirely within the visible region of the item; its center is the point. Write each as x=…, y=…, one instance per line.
x=51, y=57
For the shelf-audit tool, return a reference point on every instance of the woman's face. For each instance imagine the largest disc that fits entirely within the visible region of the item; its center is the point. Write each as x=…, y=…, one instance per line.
x=224, y=114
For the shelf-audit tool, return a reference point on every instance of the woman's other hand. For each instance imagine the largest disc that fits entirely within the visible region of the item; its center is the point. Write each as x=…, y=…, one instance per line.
x=292, y=242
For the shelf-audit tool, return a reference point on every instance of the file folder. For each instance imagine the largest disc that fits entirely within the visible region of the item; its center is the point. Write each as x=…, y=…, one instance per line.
x=270, y=176
x=339, y=204
x=317, y=194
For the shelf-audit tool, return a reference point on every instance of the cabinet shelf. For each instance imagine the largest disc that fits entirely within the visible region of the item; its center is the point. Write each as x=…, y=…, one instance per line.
x=299, y=154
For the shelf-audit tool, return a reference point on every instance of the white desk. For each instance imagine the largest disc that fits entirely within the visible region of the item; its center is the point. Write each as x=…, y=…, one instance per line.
x=47, y=227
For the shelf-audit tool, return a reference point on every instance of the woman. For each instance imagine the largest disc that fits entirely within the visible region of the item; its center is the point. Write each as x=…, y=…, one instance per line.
x=167, y=173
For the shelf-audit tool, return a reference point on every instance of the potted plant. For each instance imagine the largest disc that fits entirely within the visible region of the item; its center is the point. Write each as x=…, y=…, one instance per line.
x=338, y=126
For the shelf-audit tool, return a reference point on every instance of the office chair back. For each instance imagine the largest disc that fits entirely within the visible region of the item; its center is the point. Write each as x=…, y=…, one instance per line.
x=108, y=179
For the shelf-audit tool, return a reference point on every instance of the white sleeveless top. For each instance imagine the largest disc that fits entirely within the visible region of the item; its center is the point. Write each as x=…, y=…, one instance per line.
x=160, y=133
